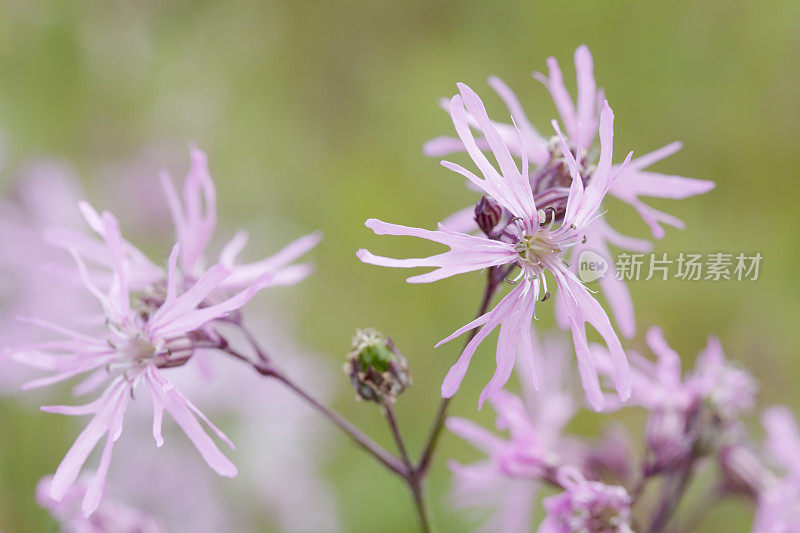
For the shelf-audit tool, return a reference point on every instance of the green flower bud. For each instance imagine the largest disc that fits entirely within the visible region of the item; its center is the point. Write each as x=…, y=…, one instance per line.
x=376, y=368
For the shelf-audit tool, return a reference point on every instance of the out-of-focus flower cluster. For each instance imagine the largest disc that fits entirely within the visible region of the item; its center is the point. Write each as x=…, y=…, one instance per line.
x=693, y=421
x=89, y=303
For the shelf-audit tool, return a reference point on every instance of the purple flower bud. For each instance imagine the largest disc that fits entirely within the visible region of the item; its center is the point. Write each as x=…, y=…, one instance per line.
x=487, y=214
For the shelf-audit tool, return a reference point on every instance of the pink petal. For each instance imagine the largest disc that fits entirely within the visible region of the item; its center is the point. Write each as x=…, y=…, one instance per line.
x=515, y=327
x=490, y=321
x=442, y=146
x=653, y=184
x=561, y=97
x=669, y=362
x=534, y=143
x=650, y=158
x=67, y=472
x=173, y=324
x=158, y=418
x=94, y=492
x=476, y=435
x=783, y=437
x=518, y=185
x=462, y=221
x=581, y=308
x=181, y=412
x=587, y=96
x=244, y=274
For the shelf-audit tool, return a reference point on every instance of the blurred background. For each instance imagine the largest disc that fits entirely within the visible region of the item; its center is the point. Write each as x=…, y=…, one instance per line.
x=313, y=115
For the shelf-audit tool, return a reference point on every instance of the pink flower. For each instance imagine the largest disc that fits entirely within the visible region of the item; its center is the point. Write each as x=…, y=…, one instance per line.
x=676, y=403
x=778, y=502
x=195, y=219
x=508, y=480
x=551, y=178
x=532, y=241
x=482, y=486
x=29, y=281
x=151, y=319
x=284, y=445
x=725, y=386
x=586, y=506
x=111, y=517
x=538, y=451
x=161, y=328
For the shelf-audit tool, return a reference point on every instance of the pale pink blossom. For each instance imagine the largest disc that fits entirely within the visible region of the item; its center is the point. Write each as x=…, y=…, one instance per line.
x=581, y=119
x=151, y=319
x=657, y=385
x=141, y=336
x=531, y=241
x=113, y=516
x=550, y=177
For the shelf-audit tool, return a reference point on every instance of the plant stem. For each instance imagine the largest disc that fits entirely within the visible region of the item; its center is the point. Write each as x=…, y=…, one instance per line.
x=403, y=467
x=388, y=411
x=267, y=369
x=702, y=509
x=412, y=479
x=674, y=487
x=494, y=277
x=359, y=437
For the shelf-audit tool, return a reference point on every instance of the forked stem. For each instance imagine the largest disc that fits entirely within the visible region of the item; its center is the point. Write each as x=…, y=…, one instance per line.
x=413, y=479
x=265, y=367
x=413, y=475
x=494, y=277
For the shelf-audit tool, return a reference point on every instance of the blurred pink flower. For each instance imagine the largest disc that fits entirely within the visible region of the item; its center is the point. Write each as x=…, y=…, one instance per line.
x=136, y=342
x=151, y=319
x=673, y=401
x=482, y=486
x=586, y=506
x=44, y=193
x=508, y=480
x=112, y=516
x=282, y=446
x=530, y=241
x=550, y=181
x=195, y=219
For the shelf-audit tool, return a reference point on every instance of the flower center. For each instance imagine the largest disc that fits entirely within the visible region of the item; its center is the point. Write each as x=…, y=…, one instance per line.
x=535, y=248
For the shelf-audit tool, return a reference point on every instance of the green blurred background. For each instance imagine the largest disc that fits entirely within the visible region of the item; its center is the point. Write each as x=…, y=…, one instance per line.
x=313, y=114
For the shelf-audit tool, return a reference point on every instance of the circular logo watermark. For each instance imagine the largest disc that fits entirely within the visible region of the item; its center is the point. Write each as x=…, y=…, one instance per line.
x=591, y=266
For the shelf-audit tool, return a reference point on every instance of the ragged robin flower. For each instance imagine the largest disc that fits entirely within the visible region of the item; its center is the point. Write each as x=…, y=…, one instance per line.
x=534, y=242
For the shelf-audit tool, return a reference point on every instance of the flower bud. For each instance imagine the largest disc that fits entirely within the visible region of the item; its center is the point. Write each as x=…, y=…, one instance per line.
x=376, y=368
x=487, y=214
